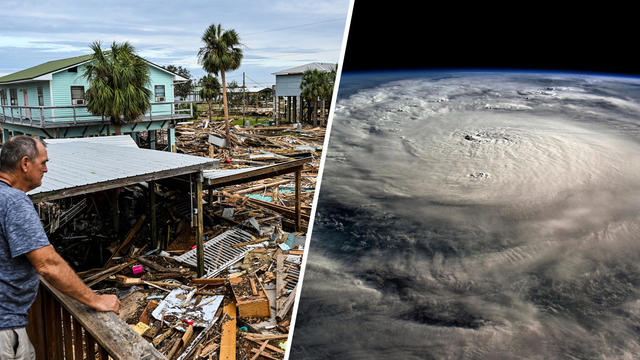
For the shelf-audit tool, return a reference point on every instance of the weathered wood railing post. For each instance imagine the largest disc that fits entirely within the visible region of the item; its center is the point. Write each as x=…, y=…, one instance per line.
x=61, y=328
x=200, y=227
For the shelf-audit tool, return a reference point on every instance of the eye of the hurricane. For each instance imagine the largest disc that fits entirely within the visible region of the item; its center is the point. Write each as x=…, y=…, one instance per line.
x=532, y=159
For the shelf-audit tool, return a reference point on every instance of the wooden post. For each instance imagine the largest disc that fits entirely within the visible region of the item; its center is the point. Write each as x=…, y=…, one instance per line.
x=200, y=227
x=152, y=213
x=172, y=139
x=152, y=139
x=298, y=195
x=6, y=135
x=294, y=105
x=276, y=108
x=115, y=210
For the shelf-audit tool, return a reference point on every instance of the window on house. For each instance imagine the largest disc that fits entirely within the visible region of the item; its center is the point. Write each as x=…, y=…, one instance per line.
x=3, y=97
x=40, y=97
x=13, y=93
x=159, y=92
x=77, y=95
x=73, y=69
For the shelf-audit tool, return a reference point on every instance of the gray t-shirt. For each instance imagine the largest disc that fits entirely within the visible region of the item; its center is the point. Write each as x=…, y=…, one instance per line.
x=20, y=233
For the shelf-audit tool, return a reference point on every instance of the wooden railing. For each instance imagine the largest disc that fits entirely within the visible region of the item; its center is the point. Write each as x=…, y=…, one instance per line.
x=55, y=116
x=62, y=328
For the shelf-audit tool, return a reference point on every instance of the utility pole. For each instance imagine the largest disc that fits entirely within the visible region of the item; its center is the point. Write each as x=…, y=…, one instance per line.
x=244, y=100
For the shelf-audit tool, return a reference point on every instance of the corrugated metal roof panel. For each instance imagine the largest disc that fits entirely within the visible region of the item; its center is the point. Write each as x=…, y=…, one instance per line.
x=119, y=140
x=87, y=161
x=302, y=68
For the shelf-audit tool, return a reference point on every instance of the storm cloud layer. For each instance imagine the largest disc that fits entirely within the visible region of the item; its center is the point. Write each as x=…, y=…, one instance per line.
x=477, y=216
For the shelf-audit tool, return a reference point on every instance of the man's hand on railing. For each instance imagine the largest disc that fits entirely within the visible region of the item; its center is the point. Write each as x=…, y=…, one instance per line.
x=107, y=303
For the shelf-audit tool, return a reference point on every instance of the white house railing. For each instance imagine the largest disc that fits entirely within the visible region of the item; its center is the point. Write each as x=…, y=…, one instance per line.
x=56, y=116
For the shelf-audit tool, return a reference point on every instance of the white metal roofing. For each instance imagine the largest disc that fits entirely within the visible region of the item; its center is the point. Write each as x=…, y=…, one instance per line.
x=87, y=161
x=310, y=66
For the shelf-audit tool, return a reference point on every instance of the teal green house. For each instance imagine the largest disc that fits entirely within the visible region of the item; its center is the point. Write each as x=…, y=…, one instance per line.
x=47, y=100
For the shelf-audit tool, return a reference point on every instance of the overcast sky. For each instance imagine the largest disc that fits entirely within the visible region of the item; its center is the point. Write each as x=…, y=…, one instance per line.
x=276, y=34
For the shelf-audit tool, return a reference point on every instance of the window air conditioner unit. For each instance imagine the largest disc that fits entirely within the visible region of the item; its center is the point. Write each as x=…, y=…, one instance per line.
x=77, y=101
x=159, y=98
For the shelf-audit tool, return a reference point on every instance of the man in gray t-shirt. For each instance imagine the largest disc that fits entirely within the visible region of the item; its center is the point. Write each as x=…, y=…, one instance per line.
x=25, y=252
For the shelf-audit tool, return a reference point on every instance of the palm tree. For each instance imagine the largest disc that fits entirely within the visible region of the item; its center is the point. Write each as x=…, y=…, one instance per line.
x=221, y=52
x=210, y=90
x=312, y=86
x=118, y=81
x=327, y=89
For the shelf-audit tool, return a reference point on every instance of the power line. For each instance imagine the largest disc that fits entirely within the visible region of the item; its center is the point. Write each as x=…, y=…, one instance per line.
x=296, y=26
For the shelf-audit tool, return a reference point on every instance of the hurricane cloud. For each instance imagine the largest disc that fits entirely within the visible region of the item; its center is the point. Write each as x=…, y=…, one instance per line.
x=478, y=216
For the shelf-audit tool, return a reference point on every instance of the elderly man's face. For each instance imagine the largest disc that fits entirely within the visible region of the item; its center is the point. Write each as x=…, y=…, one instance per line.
x=37, y=167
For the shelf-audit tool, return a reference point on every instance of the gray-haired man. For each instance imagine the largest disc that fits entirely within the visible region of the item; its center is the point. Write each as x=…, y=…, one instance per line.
x=25, y=251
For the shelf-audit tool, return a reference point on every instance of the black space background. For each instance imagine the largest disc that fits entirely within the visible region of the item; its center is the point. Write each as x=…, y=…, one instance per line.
x=454, y=35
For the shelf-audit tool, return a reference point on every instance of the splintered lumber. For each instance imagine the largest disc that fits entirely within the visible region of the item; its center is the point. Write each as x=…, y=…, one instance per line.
x=212, y=281
x=270, y=347
x=261, y=187
x=181, y=342
x=260, y=353
x=129, y=237
x=287, y=212
x=262, y=347
x=209, y=349
x=250, y=305
x=144, y=318
x=282, y=313
x=155, y=266
x=260, y=337
x=94, y=279
x=161, y=338
x=129, y=281
x=228, y=338
x=196, y=347
x=280, y=283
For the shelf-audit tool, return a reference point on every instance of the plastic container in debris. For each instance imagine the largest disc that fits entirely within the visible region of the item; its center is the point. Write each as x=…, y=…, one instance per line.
x=137, y=270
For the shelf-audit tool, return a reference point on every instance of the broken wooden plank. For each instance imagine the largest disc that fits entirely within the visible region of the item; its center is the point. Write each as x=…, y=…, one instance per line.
x=248, y=304
x=260, y=337
x=262, y=347
x=110, y=272
x=228, y=338
x=151, y=305
x=128, y=239
x=212, y=281
x=287, y=305
x=280, y=283
x=263, y=354
x=269, y=346
x=196, y=347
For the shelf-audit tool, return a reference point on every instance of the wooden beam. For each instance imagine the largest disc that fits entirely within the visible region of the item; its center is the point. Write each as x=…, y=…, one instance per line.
x=298, y=195
x=282, y=313
x=152, y=213
x=200, y=227
x=128, y=239
x=258, y=174
x=112, y=184
x=285, y=211
x=262, y=347
x=212, y=281
x=228, y=338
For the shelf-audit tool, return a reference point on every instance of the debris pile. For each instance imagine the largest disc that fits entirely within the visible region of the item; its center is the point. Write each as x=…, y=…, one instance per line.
x=241, y=307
